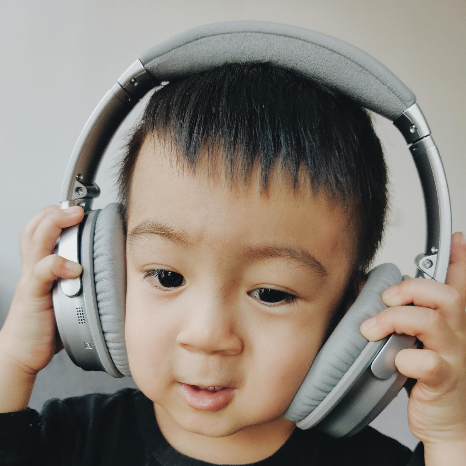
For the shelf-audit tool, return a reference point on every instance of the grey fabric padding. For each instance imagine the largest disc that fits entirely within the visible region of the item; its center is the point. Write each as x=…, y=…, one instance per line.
x=321, y=57
x=344, y=345
x=110, y=282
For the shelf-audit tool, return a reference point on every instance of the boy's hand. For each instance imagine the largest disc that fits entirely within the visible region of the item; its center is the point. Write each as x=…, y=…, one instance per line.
x=27, y=339
x=437, y=403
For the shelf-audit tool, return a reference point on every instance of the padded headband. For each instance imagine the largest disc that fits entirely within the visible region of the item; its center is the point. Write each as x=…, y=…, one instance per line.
x=331, y=61
x=320, y=57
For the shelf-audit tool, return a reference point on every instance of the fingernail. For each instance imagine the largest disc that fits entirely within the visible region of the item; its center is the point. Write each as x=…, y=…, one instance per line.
x=389, y=294
x=73, y=266
x=462, y=239
x=72, y=210
x=368, y=324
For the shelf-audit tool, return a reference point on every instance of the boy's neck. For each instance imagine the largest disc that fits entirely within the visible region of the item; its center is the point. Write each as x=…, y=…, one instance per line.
x=249, y=445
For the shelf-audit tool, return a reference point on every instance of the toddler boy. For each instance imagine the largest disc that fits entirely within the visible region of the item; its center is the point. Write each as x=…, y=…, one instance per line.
x=254, y=201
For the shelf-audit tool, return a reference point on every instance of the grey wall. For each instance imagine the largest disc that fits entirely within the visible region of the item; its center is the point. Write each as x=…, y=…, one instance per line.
x=58, y=58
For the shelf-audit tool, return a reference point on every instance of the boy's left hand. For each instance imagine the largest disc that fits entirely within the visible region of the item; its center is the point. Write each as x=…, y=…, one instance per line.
x=437, y=403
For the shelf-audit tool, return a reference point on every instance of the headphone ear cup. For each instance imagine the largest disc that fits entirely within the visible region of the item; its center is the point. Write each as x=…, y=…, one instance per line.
x=110, y=282
x=344, y=345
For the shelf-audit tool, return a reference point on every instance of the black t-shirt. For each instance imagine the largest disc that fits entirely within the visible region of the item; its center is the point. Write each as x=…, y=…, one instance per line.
x=121, y=429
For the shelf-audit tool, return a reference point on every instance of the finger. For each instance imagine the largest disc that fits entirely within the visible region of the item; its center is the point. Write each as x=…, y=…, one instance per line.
x=428, y=367
x=27, y=232
x=456, y=276
x=424, y=323
x=45, y=272
x=430, y=294
x=48, y=231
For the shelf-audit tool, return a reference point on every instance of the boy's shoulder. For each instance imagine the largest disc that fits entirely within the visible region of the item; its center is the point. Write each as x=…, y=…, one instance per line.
x=96, y=428
x=93, y=405
x=103, y=401
x=367, y=447
x=93, y=413
x=127, y=417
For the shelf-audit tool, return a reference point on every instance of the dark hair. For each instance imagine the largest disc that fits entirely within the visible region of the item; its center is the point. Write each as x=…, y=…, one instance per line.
x=259, y=112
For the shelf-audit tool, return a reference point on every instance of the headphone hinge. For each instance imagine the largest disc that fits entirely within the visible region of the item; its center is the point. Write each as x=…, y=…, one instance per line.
x=412, y=124
x=82, y=190
x=136, y=81
x=426, y=264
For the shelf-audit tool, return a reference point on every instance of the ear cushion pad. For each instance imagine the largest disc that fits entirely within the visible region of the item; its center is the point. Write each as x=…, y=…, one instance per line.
x=344, y=345
x=110, y=282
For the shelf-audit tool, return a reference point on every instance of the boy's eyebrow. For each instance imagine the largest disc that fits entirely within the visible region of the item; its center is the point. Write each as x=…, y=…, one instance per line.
x=287, y=252
x=152, y=227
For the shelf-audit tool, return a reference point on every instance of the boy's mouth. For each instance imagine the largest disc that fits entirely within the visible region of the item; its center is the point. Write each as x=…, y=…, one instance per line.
x=206, y=397
x=210, y=389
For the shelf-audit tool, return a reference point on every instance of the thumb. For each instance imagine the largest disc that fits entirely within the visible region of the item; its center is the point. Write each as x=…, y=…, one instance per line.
x=456, y=276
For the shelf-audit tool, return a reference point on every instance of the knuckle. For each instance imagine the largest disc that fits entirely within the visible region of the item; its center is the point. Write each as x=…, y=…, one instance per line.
x=54, y=213
x=455, y=300
x=385, y=317
x=433, y=319
x=407, y=285
x=49, y=266
x=49, y=210
x=25, y=234
x=382, y=317
x=56, y=262
x=46, y=227
x=52, y=208
x=54, y=217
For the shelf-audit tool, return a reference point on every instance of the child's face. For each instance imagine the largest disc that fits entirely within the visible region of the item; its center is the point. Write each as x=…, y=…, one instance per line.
x=210, y=323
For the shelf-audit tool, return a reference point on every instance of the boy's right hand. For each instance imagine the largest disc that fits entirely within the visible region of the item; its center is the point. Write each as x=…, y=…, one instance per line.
x=28, y=339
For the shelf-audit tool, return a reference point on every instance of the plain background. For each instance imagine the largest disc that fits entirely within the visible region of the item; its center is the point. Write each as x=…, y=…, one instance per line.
x=58, y=58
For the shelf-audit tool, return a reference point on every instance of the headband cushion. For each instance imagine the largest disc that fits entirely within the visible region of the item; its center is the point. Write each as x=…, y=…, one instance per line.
x=344, y=345
x=323, y=58
x=110, y=282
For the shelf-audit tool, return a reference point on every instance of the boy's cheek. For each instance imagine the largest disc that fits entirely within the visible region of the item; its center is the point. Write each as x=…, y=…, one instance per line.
x=279, y=369
x=148, y=361
x=146, y=340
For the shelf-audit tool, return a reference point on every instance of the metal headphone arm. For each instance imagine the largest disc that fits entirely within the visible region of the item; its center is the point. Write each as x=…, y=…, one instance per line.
x=79, y=186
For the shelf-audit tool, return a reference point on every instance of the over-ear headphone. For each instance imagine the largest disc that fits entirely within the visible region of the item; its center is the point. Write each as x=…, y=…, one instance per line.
x=351, y=380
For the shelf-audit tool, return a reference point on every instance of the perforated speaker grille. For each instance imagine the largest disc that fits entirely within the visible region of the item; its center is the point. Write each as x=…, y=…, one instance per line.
x=80, y=314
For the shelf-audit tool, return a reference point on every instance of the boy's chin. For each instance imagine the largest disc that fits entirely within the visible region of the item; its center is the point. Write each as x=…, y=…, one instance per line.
x=217, y=426
x=209, y=426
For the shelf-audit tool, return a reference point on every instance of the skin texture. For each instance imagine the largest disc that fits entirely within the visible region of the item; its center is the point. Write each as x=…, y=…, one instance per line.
x=214, y=330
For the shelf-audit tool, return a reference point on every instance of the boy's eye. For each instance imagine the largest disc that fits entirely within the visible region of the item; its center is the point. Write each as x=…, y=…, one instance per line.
x=165, y=278
x=270, y=296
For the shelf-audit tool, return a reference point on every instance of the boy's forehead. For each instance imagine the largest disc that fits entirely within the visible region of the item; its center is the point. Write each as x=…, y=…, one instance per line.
x=157, y=155
x=163, y=189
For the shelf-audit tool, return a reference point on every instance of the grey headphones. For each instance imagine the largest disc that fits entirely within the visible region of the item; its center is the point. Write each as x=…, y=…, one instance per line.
x=351, y=380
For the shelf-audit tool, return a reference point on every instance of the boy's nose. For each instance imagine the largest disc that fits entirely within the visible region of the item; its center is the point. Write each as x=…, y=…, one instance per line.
x=210, y=328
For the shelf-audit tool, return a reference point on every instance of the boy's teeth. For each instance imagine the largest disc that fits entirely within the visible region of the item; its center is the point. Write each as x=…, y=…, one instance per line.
x=210, y=389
